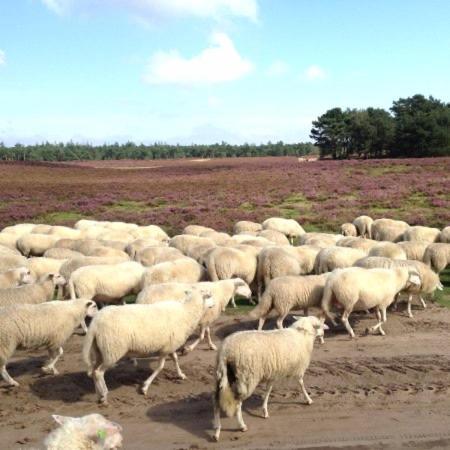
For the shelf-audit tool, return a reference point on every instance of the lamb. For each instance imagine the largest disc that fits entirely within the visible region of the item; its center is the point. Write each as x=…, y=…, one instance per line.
x=161, y=328
x=222, y=292
x=288, y=227
x=34, y=244
x=437, y=256
x=388, y=230
x=41, y=291
x=419, y=233
x=414, y=249
x=196, y=230
x=150, y=256
x=47, y=325
x=444, y=236
x=8, y=262
x=15, y=277
x=246, y=226
x=355, y=288
x=363, y=225
x=349, y=229
x=91, y=432
x=183, y=270
x=274, y=262
x=247, y=358
x=290, y=292
x=106, y=282
x=356, y=242
x=429, y=279
x=332, y=258
x=388, y=249
x=274, y=236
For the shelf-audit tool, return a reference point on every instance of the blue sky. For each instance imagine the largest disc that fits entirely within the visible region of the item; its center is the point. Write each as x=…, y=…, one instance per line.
x=210, y=70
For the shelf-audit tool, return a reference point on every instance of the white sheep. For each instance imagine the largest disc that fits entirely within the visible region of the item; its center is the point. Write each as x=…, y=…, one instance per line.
x=19, y=229
x=161, y=328
x=64, y=232
x=10, y=261
x=150, y=256
x=444, y=236
x=133, y=248
x=356, y=242
x=62, y=253
x=185, y=242
x=283, y=294
x=332, y=258
x=247, y=358
x=196, y=230
x=41, y=265
x=9, y=240
x=419, y=233
x=388, y=230
x=437, y=256
x=39, y=292
x=91, y=432
x=47, y=325
x=221, y=291
x=15, y=277
x=363, y=225
x=274, y=236
x=322, y=240
x=414, y=249
x=106, y=282
x=289, y=227
x=150, y=232
x=219, y=238
x=355, y=288
x=36, y=244
x=388, y=250
x=349, y=229
x=244, y=226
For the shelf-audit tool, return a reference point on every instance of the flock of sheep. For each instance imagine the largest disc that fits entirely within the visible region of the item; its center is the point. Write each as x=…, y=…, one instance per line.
x=184, y=283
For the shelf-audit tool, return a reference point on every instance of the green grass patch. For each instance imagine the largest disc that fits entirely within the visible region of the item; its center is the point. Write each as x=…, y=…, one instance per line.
x=128, y=206
x=59, y=217
x=379, y=171
x=242, y=307
x=443, y=297
x=247, y=206
x=294, y=206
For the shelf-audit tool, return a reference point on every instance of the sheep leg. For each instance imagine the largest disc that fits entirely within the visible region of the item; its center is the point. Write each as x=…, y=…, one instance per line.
x=302, y=385
x=380, y=322
x=177, y=366
x=211, y=344
x=191, y=347
x=266, y=400
x=84, y=326
x=150, y=379
x=239, y=418
x=7, y=377
x=410, y=315
x=217, y=424
x=233, y=302
x=261, y=323
x=54, y=354
x=100, y=384
x=280, y=322
x=345, y=316
x=423, y=302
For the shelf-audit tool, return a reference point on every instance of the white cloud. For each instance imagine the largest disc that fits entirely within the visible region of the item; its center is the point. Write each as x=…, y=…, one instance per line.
x=163, y=8
x=314, y=73
x=2, y=57
x=278, y=68
x=218, y=63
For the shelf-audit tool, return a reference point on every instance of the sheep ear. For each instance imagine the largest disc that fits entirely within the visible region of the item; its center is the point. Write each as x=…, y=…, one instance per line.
x=61, y=420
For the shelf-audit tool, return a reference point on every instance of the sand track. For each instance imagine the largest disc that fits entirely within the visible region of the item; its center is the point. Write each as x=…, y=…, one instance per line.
x=374, y=392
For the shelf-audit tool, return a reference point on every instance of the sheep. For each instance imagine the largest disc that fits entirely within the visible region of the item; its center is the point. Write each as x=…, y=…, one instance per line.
x=218, y=238
x=388, y=249
x=289, y=227
x=184, y=242
x=106, y=252
x=247, y=358
x=41, y=228
x=106, y=282
x=323, y=240
x=46, y=325
x=355, y=288
x=64, y=232
x=84, y=224
x=437, y=256
x=419, y=233
x=414, y=249
x=39, y=266
x=8, y=240
x=183, y=270
x=444, y=236
x=39, y=292
x=222, y=292
x=154, y=255
x=150, y=232
x=8, y=251
x=332, y=258
x=247, y=239
x=289, y=292
x=274, y=236
x=133, y=248
x=19, y=229
x=429, y=279
x=15, y=277
x=196, y=230
x=61, y=253
x=91, y=432
x=246, y=226
x=388, y=230
x=223, y=263
x=160, y=328
x=348, y=229
x=279, y=261
x=356, y=242
x=8, y=262
x=36, y=244
x=363, y=225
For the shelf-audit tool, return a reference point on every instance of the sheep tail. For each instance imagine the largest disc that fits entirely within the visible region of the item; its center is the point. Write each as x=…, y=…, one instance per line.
x=326, y=301
x=263, y=307
x=89, y=350
x=225, y=396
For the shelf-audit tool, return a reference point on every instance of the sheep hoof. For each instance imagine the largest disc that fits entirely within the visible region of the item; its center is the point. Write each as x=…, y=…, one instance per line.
x=144, y=391
x=310, y=402
x=50, y=370
x=186, y=350
x=266, y=414
x=244, y=428
x=213, y=347
x=182, y=376
x=216, y=435
x=13, y=383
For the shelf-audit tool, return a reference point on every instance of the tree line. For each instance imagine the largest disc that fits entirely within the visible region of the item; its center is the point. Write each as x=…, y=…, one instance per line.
x=413, y=127
x=74, y=151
